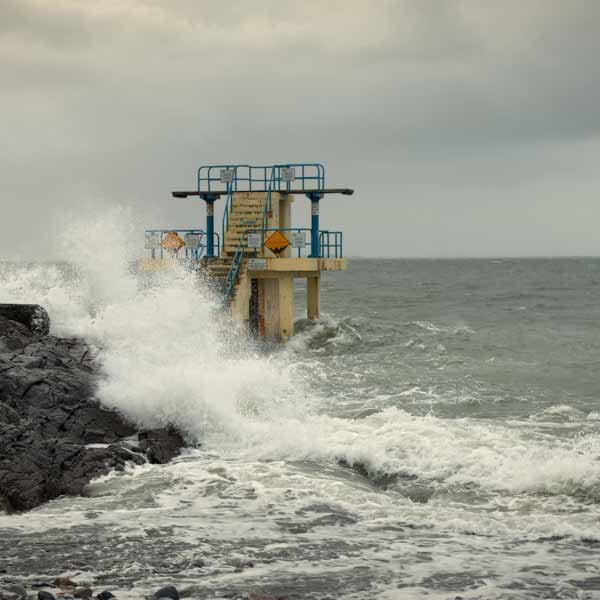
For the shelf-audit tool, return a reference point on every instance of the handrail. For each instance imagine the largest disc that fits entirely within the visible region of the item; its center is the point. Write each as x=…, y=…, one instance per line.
x=325, y=251
x=228, y=205
x=244, y=176
x=337, y=245
x=234, y=269
x=330, y=242
x=273, y=178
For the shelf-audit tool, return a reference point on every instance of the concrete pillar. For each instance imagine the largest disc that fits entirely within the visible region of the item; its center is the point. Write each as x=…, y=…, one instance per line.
x=286, y=308
x=240, y=305
x=313, y=302
x=277, y=307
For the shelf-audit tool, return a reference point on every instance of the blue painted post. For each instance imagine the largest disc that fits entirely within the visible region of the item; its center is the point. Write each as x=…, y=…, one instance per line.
x=314, y=224
x=210, y=225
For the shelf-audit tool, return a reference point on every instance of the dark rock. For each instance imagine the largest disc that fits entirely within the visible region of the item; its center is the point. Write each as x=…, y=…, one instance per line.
x=83, y=592
x=169, y=591
x=105, y=595
x=17, y=590
x=64, y=583
x=33, y=316
x=161, y=445
x=54, y=435
x=240, y=565
x=43, y=595
x=10, y=328
x=8, y=415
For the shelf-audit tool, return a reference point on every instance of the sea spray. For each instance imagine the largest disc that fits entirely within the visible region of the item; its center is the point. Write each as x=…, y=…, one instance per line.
x=353, y=470
x=170, y=355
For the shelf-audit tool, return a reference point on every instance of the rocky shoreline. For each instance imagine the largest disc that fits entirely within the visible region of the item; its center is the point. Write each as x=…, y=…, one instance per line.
x=54, y=435
x=64, y=588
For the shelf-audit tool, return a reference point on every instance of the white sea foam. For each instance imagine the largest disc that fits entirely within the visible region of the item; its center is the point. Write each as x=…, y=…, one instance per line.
x=170, y=357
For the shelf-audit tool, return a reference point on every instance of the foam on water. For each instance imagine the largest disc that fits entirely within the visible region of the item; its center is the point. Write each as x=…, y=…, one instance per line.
x=169, y=356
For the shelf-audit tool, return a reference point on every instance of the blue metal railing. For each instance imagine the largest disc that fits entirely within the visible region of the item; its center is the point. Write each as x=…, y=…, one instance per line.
x=248, y=178
x=194, y=253
x=234, y=269
x=330, y=246
x=331, y=243
x=231, y=178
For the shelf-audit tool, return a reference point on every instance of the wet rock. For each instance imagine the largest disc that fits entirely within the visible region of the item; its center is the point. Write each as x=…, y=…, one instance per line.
x=166, y=592
x=32, y=316
x=105, y=595
x=8, y=415
x=83, y=592
x=64, y=583
x=12, y=330
x=43, y=595
x=161, y=445
x=17, y=590
x=379, y=479
x=197, y=563
x=49, y=417
x=240, y=565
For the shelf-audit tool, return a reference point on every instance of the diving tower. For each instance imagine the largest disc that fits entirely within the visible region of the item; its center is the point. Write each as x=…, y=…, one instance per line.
x=259, y=252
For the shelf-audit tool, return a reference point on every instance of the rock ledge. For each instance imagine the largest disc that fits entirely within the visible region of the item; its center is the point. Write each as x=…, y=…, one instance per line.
x=54, y=435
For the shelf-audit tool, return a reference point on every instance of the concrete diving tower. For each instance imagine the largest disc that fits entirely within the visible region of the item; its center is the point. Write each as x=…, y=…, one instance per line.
x=261, y=252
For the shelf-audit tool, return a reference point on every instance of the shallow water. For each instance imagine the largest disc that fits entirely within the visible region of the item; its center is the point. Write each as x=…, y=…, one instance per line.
x=435, y=435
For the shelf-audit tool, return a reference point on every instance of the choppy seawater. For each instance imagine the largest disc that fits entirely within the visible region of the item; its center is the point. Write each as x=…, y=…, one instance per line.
x=434, y=436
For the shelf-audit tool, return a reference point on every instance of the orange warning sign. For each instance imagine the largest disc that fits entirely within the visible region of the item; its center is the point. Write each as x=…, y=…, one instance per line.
x=172, y=241
x=277, y=242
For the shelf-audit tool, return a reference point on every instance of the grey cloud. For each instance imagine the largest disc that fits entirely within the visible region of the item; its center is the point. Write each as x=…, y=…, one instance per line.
x=448, y=106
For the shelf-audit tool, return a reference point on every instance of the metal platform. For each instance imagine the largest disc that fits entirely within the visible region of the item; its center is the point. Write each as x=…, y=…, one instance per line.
x=218, y=193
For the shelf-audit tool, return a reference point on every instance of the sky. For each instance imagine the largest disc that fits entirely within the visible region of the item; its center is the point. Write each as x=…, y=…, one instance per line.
x=466, y=127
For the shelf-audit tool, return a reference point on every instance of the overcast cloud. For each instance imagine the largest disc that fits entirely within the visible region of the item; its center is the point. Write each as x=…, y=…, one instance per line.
x=467, y=127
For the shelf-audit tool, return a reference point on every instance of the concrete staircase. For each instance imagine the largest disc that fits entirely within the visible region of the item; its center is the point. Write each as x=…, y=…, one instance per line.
x=246, y=212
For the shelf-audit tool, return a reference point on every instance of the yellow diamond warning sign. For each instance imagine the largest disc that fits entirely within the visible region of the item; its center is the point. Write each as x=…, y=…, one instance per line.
x=277, y=242
x=172, y=241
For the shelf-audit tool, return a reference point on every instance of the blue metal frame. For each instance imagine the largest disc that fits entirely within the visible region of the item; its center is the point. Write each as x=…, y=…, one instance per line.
x=245, y=177
x=195, y=254
x=309, y=178
x=330, y=243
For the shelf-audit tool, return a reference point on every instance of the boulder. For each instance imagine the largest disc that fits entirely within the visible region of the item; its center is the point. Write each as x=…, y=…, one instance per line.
x=54, y=435
x=17, y=590
x=33, y=316
x=168, y=592
x=161, y=445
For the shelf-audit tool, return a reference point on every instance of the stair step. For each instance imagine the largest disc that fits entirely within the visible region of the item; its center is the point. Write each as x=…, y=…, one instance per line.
x=233, y=249
x=249, y=201
x=238, y=204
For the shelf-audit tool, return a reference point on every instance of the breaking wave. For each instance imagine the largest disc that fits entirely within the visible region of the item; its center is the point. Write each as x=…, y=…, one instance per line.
x=170, y=356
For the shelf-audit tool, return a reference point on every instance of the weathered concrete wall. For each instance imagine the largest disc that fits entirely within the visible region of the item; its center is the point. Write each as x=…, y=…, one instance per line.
x=276, y=308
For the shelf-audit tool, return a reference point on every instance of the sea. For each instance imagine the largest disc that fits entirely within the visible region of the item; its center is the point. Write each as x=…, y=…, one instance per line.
x=436, y=434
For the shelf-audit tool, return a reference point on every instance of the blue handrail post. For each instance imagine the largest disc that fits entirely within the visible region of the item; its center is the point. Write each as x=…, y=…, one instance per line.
x=210, y=224
x=314, y=198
